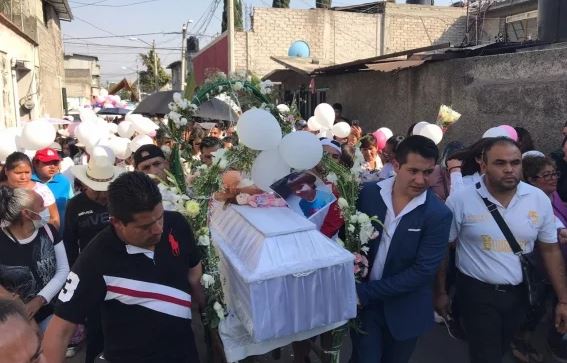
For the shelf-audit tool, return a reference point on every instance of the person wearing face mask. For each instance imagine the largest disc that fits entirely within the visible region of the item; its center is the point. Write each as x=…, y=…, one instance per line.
x=33, y=262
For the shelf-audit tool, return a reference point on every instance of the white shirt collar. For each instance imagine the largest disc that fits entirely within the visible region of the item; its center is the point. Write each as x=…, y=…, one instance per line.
x=521, y=189
x=387, y=185
x=133, y=250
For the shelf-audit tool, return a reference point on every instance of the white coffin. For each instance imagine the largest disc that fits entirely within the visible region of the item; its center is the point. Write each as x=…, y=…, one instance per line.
x=281, y=276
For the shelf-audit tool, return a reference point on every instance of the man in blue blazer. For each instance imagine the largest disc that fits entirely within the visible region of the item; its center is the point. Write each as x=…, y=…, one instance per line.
x=396, y=303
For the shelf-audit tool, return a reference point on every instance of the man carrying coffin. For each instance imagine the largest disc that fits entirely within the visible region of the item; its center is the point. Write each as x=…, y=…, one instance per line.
x=396, y=298
x=144, y=272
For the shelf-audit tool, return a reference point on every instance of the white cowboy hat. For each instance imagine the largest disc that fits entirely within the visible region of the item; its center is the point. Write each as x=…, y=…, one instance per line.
x=97, y=175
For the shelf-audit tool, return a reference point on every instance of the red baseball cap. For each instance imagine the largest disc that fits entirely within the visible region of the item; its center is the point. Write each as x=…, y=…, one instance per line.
x=47, y=155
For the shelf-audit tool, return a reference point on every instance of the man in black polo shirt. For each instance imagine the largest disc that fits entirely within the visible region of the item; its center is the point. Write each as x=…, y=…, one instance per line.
x=141, y=270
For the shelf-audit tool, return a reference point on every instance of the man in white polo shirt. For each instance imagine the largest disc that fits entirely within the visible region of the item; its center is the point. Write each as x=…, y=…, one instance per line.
x=491, y=294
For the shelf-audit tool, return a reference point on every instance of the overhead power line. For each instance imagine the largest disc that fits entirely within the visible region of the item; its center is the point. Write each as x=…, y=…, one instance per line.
x=119, y=46
x=121, y=36
x=97, y=3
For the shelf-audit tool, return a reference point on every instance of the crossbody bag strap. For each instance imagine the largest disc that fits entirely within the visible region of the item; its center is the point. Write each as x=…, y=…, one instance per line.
x=493, y=209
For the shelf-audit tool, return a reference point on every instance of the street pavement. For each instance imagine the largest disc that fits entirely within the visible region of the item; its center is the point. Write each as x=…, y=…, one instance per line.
x=434, y=347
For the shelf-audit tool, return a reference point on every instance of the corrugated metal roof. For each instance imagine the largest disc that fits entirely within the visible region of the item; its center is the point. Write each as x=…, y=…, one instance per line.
x=62, y=8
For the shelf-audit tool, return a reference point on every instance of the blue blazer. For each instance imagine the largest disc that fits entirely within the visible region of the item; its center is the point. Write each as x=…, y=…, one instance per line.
x=417, y=248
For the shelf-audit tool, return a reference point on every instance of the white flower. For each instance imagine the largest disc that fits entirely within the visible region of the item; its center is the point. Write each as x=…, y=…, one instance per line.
x=223, y=163
x=237, y=86
x=193, y=106
x=365, y=249
x=332, y=178
x=351, y=228
x=192, y=208
x=202, y=167
x=353, y=219
x=219, y=310
x=204, y=240
x=219, y=156
x=283, y=108
x=171, y=106
x=177, y=97
x=363, y=218
x=342, y=202
x=183, y=121
x=220, y=89
x=207, y=281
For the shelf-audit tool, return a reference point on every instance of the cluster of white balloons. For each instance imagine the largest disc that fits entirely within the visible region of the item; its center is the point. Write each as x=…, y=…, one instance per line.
x=323, y=120
x=94, y=131
x=35, y=135
x=431, y=131
x=259, y=130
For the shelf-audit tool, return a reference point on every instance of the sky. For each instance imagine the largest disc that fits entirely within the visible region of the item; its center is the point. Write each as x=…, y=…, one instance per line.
x=117, y=30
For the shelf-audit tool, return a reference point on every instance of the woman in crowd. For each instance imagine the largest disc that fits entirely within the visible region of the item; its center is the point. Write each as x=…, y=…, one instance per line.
x=464, y=166
x=17, y=173
x=195, y=141
x=525, y=140
x=441, y=177
x=33, y=262
x=388, y=155
x=372, y=162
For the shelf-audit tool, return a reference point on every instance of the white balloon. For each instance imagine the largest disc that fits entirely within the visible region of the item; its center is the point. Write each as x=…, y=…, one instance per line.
x=418, y=126
x=112, y=128
x=259, y=130
x=38, y=134
x=325, y=115
x=139, y=141
x=102, y=155
x=121, y=147
x=86, y=115
x=89, y=133
x=268, y=167
x=432, y=132
x=341, y=129
x=495, y=132
x=126, y=129
x=103, y=93
x=387, y=132
x=7, y=144
x=312, y=124
x=142, y=125
x=301, y=150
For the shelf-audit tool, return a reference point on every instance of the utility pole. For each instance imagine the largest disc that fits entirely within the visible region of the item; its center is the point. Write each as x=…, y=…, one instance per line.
x=156, y=85
x=138, y=82
x=183, y=57
x=230, y=12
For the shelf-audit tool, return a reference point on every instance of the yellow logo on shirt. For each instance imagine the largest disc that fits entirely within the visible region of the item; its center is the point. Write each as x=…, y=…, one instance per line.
x=486, y=242
x=533, y=216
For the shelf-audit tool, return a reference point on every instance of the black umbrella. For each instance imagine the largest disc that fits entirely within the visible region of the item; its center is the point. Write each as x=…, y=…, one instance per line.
x=113, y=111
x=156, y=104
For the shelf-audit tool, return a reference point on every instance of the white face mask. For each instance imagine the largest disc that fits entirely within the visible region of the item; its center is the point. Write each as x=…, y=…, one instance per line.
x=44, y=215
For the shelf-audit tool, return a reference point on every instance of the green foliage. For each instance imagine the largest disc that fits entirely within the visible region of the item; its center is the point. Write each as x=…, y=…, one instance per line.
x=238, y=22
x=280, y=4
x=147, y=78
x=325, y=4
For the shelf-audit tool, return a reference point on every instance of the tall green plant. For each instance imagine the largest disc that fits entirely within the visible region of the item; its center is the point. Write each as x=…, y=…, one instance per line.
x=325, y=4
x=238, y=22
x=280, y=4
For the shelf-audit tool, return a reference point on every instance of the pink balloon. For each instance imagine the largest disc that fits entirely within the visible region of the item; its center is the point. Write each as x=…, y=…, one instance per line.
x=510, y=131
x=99, y=99
x=380, y=139
x=152, y=133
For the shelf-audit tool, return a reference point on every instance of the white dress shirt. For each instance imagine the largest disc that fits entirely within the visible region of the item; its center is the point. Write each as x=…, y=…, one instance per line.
x=391, y=222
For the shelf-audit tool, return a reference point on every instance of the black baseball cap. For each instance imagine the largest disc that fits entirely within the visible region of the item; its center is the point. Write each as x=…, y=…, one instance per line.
x=146, y=152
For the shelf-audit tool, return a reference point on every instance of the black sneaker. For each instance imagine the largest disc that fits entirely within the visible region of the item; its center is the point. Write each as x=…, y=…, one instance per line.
x=454, y=328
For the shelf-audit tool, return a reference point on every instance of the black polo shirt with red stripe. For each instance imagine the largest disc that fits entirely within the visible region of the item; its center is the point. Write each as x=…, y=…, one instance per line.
x=144, y=298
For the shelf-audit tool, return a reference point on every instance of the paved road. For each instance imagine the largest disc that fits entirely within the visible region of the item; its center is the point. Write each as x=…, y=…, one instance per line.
x=434, y=347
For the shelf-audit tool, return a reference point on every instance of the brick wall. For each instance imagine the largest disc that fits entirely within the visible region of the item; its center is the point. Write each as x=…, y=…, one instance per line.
x=415, y=26
x=338, y=36
x=333, y=36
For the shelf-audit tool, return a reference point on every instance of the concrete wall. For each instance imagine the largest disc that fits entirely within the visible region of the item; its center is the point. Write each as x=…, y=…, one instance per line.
x=51, y=72
x=524, y=89
x=26, y=37
x=338, y=36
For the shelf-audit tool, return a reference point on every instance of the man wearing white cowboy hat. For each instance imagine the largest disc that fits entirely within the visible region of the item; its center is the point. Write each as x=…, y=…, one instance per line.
x=87, y=215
